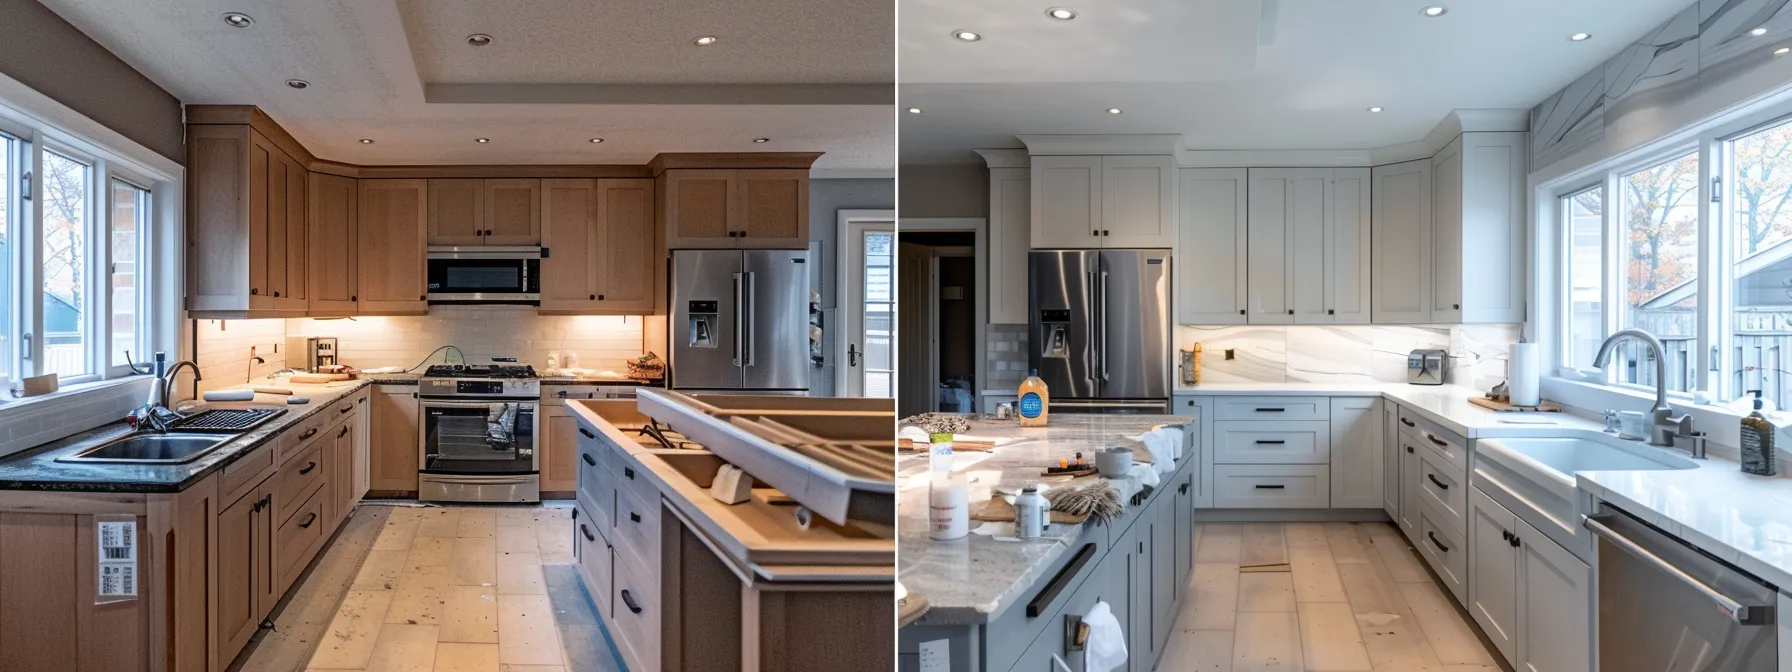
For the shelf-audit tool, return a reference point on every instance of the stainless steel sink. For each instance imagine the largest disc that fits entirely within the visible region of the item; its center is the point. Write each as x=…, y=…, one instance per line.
x=146, y=448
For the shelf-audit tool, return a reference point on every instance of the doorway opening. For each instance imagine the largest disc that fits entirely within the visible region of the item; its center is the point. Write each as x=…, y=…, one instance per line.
x=938, y=283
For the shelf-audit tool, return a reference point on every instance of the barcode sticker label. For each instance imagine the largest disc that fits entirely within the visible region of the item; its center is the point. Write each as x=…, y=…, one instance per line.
x=117, y=560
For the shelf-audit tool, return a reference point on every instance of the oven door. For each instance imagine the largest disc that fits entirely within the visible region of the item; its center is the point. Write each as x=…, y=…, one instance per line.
x=478, y=438
x=483, y=278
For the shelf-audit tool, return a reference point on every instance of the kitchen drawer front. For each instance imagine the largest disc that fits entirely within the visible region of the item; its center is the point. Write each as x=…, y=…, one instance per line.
x=1272, y=486
x=299, y=537
x=628, y=475
x=237, y=479
x=1272, y=408
x=593, y=555
x=637, y=617
x=637, y=531
x=1445, y=550
x=1272, y=442
x=1445, y=442
x=1107, y=583
x=294, y=441
x=1049, y=595
x=298, y=478
x=1444, y=487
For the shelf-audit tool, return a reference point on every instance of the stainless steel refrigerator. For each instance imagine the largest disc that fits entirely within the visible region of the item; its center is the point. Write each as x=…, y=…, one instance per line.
x=740, y=321
x=1100, y=328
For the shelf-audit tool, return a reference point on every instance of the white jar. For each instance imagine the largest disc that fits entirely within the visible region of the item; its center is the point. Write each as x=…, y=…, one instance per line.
x=1031, y=513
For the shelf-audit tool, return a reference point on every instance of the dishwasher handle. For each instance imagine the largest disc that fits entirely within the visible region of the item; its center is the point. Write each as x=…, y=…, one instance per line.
x=1738, y=612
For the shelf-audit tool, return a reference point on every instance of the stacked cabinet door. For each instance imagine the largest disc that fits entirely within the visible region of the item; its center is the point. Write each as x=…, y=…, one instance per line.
x=333, y=256
x=1103, y=202
x=726, y=208
x=569, y=241
x=1308, y=249
x=1210, y=246
x=601, y=253
x=391, y=236
x=470, y=212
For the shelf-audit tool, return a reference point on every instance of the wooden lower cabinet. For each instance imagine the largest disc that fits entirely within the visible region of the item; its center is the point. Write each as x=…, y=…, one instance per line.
x=244, y=578
x=559, y=453
x=394, y=448
x=341, y=456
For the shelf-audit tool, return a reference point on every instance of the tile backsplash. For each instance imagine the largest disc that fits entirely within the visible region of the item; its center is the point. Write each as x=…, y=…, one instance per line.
x=222, y=352
x=1346, y=354
x=483, y=332
x=1005, y=346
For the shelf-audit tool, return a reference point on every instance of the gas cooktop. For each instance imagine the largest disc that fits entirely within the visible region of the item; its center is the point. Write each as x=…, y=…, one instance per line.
x=500, y=371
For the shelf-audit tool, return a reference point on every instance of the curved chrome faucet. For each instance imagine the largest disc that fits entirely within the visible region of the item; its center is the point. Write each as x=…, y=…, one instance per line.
x=154, y=414
x=1664, y=425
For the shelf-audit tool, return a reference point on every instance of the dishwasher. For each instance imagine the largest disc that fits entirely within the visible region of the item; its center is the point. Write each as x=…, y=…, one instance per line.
x=1664, y=605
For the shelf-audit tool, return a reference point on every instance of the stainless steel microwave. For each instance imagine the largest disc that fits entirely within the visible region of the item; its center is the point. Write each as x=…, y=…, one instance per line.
x=485, y=275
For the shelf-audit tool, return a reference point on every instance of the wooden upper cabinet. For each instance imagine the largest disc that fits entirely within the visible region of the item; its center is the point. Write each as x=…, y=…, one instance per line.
x=391, y=237
x=631, y=262
x=293, y=291
x=332, y=254
x=457, y=212
x=246, y=237
x=513, y=212
x=774, y=208
x=569, y=242
x=699, y=208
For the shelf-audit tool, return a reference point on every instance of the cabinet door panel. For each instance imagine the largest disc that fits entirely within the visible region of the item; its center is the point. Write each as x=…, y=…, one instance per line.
x=1555, y=603
x=559, y=462
x=1348, y=254
x=1390, y=460
x=630, y=261
x=513, y=212
x=699, y=208
x=1493, y=572
x=457, y=212
x=1066, y=204
x=234, y=577
x=1446, y=234
x=391, y=239
x=1271, y=223
x=1010, y=202
x=1210, y=246
x=278, y=170
x=332, y=253
x=1492, y=267
x=293, y=294
x=394, y=450
x=1400, y=207
x=570, y=235
x=1310, y=241
x=774, y=210
x=1138, y=201
x=1409, y=486
x=1357, y=449
x=261, y=166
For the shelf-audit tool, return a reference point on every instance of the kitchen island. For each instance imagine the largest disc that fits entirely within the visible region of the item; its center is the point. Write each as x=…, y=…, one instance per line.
x=998, y=603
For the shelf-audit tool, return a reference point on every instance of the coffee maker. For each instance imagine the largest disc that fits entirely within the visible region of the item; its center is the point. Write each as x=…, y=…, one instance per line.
x=311, y=353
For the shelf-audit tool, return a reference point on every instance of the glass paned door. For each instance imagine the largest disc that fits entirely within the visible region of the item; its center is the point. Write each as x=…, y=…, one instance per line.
x=869, y=298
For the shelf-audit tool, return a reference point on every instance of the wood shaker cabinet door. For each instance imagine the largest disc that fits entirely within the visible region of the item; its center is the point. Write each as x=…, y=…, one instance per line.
x=700, y=208
x=457, y=212
x=774, y=210
x=273, y=220
x=293, y=291
x=570, y=236
x=630, y=263
x=395, y=448
x=559, y=461
x=391, y=246
x=243, y=580
x=513, y=212
x=330, y=244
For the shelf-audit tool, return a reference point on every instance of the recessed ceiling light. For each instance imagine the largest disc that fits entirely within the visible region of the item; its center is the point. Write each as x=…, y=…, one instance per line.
x=1376, y=108
x=914, y=110
x=479, y=39
x=1114, y=110
x=1782, y=51
x=238, y=19
x=704, y=41
x=1061, y=13
x=366, y=141
x=1758, y=32
x=482, y=140
x=1434, y=11
x=298, y=83
x=966, y=35
x=1580, y=37
x=761, y=141
x=595, y=141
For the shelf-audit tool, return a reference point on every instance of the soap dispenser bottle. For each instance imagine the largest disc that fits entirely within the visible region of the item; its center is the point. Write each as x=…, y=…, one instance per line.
x=1757, y=442
x=1035, y=399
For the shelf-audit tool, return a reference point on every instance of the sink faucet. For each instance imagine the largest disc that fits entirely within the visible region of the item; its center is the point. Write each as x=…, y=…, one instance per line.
x=1664, y=426
x=154, y=414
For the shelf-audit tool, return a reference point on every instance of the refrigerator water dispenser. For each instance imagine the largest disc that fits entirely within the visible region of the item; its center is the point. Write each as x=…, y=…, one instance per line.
x=704, y=319
x=1057, y=330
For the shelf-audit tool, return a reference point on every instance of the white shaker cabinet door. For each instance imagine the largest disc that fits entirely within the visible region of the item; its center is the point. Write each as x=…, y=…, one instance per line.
x=1271, y=222
x=1066, y=202
x=1138, y=202
x=1400, y=206
x=1555, y=602
x=1446, y=234
x=1010, y=227
x=1357, y=453
x=1493, y=571
x=1347, y=247
x=1210, y=246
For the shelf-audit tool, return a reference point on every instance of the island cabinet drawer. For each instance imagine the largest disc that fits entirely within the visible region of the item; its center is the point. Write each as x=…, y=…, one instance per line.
x=1272, y=408
x=637, y=537
x=592, y=554
x=1035, y=608
x=630, y=476
x=1106, y=584
x=1444, y=487
x=1261, y=442
x=637, y=617
x=300, y=537
x=1272, y=486
x=1444, y=550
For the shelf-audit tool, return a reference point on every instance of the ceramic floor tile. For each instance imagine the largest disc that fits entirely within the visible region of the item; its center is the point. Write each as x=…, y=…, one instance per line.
x=381, y=570
x=471, y=615
x=1212, y=598
x=517, y=538
x=1262, y=544
x=463, y=657
x=404, y=648
x=1219, y=543
x=420, y=597
x=443, y=522
x=1265, y=591
x=1315, y=575
x=430, y=552
x=1392, y=636
x=554, y=536
x=349, y=641
x=1198, y=651
x=1349, y=542
x=526, y=631
x=475, y=562
x=520, y=574
x=1304, y=534
x=1400, y=559
x=476, y=523
x=1267, y=642
x=397, y=535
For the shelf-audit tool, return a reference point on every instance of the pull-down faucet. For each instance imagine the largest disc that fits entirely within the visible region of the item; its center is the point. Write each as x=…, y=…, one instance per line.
x=154, y=414
x=1664, y=426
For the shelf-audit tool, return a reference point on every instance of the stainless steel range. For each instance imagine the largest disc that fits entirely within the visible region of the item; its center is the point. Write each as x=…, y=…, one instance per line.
x=478, y=427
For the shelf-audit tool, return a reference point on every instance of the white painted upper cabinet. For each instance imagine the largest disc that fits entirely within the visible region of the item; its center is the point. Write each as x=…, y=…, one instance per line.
x=1308, y=246
x=1103, y=201
x=1357, y=453
x=1478, y=229
x=1010, y=200
x=1210, y=246
x=1401, y=221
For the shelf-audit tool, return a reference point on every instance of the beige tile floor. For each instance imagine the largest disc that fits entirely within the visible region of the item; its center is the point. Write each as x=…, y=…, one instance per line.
x=478, y=589
x=1356, y=598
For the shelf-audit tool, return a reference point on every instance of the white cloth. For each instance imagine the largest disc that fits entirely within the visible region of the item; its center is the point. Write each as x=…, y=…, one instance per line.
x=1165, y=446
x=1106, y=648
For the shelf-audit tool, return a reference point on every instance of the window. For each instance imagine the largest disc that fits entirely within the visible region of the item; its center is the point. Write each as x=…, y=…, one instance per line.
x=130, y=217
x=64, y=269
x=1758, y=214
x=1660, y=227
x=1584, y=213
x=8, y=235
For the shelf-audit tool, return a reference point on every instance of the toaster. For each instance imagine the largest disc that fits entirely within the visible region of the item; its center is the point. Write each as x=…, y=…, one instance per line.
x=1425, y=366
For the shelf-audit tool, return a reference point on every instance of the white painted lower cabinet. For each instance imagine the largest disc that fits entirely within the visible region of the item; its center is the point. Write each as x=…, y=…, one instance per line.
x=1530, y=596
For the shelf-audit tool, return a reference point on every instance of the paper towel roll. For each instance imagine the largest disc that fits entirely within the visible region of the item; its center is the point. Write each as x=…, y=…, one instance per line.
x=1522, y=374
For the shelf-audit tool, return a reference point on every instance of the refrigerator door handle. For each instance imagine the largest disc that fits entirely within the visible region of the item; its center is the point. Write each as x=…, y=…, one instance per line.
x=739, y=323
x=1089, y=355
x=750, y=310
x=1102, y=318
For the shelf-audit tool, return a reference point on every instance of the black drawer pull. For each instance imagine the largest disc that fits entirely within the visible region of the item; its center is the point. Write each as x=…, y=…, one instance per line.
x=1409, y=449
x=1059, y=583
x=1268, y=442
x=630, y=601
x=634, y=517
x=588, y=459
x=1406, y=422
x=1438, y=441
x=1436, y=482
x=1440, y=545
x=1272, y=410
x=346, y=409
x=587, y=532
x=1271, y=487
x=308, y=468
x=309, y=520
x=342, y=433
x=308, y=434
x=1183, y=490
x=585, y=432
x=629, y=472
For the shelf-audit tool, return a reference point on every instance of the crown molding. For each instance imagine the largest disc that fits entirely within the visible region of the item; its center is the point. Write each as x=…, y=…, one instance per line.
x=1101, y=145
x=1005, y=158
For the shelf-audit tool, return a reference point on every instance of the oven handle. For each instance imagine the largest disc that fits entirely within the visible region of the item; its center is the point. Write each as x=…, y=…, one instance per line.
x=436, y=403
x=1742, y=615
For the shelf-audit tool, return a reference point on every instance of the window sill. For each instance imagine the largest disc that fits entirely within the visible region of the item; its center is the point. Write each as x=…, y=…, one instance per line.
x=13, y=407
x=1721, y=424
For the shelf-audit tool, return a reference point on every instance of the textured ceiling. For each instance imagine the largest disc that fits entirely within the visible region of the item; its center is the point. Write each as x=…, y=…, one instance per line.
x=1240, y=74
x=555, y=75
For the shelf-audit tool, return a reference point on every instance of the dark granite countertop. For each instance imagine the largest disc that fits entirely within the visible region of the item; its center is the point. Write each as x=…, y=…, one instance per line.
x=37, y=468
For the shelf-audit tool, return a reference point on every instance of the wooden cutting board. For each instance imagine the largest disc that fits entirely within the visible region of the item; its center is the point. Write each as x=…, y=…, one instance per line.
x=998, y=510
x=318, y=378
x=1503, y=407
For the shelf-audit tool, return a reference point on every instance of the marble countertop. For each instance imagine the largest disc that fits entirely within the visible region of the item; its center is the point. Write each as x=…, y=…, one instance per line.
x=1446, y=405
x=973, y=579
x=1745, y=520
x=37, y=468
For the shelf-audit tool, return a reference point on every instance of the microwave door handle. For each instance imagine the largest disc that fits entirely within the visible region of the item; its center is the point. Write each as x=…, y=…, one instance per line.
x=738, y=309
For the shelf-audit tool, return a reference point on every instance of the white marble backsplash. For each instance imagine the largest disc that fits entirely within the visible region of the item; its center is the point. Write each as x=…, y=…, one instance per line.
x=1346, y=354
